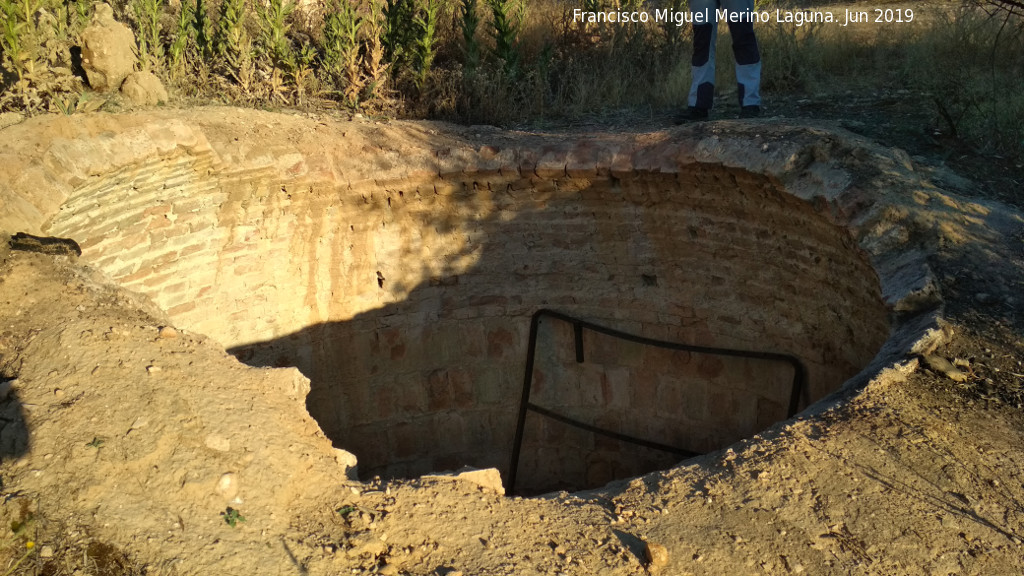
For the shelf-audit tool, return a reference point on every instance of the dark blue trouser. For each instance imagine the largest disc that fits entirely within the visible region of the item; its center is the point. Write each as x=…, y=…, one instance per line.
x=744, y=48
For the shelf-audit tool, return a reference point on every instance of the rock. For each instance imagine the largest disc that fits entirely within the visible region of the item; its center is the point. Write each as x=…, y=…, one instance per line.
x=944, y=367
x=295, y=384
x=933, y=337
x=655, y=554
x=144, y=89
x=167, y=333
x=488, y=478
x=218, y=443
x=108, y=50
x=10, y=119
x=227, y=486
x=46, y=552
x=366, y=545
x=349, y=462
x=911, y=285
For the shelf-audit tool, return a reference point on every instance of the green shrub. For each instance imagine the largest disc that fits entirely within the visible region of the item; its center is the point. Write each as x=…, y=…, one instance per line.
x=341, y=61
x=35, y=41
x=201, y=30
x=469, y=22
x=275, y=26
x=507, y=17
x=426, y=21
x=147, y=32
x=183, y=38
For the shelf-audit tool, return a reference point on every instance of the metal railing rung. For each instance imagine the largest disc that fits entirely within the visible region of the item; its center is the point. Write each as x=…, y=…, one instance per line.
x=578, y=325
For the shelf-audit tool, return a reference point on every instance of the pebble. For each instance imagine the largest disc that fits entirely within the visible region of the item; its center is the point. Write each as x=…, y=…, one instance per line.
x=227, y=486
x=152, y=369
x=46, y=552
x=167, y=333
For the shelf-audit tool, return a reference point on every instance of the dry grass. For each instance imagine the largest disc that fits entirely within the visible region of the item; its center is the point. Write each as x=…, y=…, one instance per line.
x=530, y=62
x=32, y=544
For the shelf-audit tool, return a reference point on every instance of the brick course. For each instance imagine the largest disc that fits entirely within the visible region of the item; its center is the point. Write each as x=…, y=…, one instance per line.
x=407, y=299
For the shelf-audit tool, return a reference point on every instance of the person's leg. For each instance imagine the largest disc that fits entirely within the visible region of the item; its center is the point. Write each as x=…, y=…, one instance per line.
x=748, y=56
x=702, y=88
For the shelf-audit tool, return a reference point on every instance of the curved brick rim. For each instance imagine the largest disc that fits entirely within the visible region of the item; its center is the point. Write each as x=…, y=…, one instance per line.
x=138, y=191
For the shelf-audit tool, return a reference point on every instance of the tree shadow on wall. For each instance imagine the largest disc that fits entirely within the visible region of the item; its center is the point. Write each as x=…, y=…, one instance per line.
x=428, y=380
x=432, y=378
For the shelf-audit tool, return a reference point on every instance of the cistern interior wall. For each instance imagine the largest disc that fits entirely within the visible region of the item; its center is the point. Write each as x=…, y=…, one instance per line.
x=407, y=300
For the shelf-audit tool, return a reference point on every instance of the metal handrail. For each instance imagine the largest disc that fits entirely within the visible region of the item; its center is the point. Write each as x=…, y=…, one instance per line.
x=799, y=381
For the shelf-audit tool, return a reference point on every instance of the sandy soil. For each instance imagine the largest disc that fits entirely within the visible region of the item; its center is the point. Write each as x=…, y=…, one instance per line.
x=124, y=446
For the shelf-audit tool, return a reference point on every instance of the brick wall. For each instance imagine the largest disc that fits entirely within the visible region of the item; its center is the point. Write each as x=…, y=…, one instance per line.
x=407, y=301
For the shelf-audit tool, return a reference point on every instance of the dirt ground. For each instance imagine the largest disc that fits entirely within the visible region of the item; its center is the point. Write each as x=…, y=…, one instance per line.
x=126, y=446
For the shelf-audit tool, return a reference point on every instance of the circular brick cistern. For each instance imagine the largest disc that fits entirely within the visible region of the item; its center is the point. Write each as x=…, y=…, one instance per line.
x=402, y=284
x=432, y=380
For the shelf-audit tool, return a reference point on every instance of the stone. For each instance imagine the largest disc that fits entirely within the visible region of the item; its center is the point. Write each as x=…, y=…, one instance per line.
x=218, y=443
x=167, y=333
x=656, y=555
x=912, y=286
x=942, y=366
x=108, y=50
x=349, y=462
x=10, y=118
x=144, y=89
x=227, y=485
x=294, y=383
x=366, y=545
x=488, y=478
